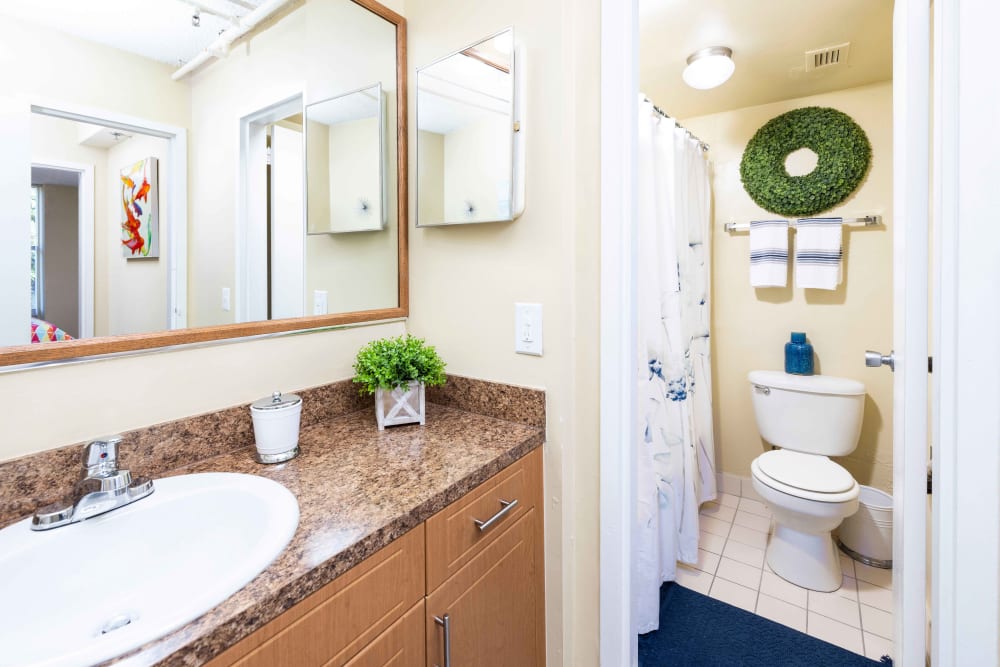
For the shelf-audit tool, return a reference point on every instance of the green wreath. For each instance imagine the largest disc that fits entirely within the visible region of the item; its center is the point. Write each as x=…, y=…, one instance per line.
x=841, y=145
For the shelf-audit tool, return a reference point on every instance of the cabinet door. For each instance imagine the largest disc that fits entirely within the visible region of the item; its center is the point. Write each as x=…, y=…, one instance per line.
x=332, y=625
x=402, y=645
x=495, y=604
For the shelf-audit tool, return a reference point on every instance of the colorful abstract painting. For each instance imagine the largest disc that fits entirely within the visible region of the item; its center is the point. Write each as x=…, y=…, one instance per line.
x=140, y=210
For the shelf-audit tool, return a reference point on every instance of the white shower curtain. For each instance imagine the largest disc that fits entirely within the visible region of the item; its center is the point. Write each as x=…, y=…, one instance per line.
x=676, y=450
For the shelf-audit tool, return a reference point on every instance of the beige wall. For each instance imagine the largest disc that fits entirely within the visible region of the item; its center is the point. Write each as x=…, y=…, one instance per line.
x=430, y=175
x=318, y=176
x=751, y=326
x=53, y=67
x=136, y=289
x=61, y=256
x=465, y=279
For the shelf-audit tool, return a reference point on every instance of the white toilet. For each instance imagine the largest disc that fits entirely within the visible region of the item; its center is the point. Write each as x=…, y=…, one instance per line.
x=810, y=417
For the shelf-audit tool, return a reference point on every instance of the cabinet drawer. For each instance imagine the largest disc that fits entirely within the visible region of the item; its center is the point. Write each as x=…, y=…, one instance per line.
x=454, y=538
x=332, y=625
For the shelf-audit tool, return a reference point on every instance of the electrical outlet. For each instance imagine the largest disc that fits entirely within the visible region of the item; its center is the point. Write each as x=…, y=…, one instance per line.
x=319, y=302
x=528, y=328
x=226, y=301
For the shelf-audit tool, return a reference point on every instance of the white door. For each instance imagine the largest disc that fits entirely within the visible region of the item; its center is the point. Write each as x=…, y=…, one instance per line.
x=911, y=138
x=288, y=234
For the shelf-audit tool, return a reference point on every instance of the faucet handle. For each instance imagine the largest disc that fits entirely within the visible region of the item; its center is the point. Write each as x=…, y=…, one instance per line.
x=100, y=457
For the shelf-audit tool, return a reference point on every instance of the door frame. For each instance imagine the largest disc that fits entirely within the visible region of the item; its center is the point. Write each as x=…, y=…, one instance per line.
x=911, y=195
x=251, y=234
x=619, y=283
x=85, y=239
x=965, y=610
x=619, y=91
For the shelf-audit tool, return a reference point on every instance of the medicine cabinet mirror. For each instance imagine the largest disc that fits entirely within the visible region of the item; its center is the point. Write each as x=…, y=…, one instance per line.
x=187, y=180
x=345, y=163
x=469, y=136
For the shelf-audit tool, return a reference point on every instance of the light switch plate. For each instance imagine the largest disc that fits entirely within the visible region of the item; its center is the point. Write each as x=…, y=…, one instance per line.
x=528, y=328
x=226, y=301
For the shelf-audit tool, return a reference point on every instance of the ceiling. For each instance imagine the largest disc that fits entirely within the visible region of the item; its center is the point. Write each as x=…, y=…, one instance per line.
x=157, y=29
x=769, y=39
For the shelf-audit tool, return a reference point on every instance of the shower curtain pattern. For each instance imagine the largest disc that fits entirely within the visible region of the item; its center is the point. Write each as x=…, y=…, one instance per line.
x=676, y=457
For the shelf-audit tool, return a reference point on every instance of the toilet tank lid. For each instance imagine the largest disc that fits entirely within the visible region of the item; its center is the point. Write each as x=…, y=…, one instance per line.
x=811, y=384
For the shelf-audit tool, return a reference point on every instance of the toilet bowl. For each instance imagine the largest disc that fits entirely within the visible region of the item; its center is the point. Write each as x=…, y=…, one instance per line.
x=810, y=418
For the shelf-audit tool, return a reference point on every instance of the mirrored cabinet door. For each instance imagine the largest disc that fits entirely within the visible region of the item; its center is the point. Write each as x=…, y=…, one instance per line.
x=466, y=128
x=345, y=163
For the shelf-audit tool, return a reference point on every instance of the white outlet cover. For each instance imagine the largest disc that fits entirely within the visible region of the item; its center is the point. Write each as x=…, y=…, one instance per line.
x=320, y=302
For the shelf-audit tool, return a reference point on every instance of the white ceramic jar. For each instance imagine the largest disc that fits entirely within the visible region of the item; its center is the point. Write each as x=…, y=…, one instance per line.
x=276, y=427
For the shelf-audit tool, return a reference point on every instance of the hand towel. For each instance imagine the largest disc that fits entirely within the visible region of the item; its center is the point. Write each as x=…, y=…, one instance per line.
x=768, y=253
x=818, y=253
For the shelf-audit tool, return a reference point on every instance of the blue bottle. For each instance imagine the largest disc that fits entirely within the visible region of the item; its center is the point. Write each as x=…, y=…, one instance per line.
x=799, y=355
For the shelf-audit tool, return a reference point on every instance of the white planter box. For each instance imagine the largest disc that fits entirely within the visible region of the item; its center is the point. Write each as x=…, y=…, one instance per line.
x=400, y=406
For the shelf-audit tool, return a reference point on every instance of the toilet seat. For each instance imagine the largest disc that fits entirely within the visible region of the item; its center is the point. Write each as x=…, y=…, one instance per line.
x=807, y=476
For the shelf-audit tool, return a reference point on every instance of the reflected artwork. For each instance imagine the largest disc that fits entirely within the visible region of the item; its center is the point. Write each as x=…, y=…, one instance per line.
x=140, y=218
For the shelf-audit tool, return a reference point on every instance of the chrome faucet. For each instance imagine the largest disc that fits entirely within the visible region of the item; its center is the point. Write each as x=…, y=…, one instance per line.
x=102, y=488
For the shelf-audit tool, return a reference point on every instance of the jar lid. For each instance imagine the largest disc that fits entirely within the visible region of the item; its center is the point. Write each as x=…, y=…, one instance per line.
x=798, y=337
x=276, y=401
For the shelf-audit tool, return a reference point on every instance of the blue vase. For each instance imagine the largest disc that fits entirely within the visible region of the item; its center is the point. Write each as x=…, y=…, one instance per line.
x=798, y=355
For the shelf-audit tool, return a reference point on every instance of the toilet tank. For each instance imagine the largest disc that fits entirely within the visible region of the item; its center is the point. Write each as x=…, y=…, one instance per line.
x=815, y=414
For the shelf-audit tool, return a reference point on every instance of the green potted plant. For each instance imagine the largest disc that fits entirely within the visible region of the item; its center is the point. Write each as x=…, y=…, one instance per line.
x=396, y=371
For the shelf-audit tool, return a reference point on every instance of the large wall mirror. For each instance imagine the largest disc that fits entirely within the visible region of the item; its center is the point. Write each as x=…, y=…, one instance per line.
x=469, y=139
x=198, y=171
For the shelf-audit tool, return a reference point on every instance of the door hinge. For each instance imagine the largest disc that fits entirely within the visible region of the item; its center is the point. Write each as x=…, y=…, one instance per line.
x=930, y=367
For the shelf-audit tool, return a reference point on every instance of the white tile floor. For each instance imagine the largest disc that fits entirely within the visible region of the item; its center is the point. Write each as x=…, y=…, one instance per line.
x=731, y=568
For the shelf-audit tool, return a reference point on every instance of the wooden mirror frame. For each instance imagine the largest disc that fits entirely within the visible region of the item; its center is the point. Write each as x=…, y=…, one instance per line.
x=39, y=352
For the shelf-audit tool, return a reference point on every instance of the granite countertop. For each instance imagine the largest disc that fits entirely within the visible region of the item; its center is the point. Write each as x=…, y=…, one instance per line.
x=358, y=490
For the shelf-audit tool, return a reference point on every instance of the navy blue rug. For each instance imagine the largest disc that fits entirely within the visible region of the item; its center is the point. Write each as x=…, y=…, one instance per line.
x=697, y=631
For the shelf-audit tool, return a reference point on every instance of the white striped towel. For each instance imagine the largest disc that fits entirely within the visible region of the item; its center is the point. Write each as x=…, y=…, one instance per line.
x=818, y=253
x=768, y=253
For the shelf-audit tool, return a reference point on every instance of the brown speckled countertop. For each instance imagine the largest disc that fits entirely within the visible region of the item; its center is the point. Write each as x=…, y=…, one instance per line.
x=358, y=489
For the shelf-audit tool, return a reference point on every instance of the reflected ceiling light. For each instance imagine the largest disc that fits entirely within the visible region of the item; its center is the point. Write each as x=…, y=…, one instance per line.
x=709, y=67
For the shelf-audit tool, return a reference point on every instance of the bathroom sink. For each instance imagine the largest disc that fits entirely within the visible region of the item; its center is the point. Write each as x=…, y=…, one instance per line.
x=90, y=591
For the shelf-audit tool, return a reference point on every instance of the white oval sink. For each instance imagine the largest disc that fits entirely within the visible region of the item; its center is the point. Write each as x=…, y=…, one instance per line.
x=90, y=591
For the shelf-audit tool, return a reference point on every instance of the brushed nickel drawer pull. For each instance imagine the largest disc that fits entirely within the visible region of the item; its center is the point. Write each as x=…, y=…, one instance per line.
x=446, y=624
x=505, y=508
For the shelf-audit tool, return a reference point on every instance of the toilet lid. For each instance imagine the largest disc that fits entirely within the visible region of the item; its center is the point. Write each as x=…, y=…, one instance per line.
x=809, y=472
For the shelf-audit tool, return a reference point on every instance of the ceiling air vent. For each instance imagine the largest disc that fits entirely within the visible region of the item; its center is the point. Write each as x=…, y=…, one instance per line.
x=829, y=56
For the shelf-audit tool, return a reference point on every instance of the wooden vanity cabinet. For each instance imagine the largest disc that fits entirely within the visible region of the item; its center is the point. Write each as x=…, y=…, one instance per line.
x=388, y=610
x=493, y=595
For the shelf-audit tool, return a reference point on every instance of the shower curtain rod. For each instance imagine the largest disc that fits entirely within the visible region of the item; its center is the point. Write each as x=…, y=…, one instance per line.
x=691, y=134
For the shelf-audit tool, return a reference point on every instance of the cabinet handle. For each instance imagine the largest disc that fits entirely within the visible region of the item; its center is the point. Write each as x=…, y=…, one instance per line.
x=446, y=624
x=505, y=508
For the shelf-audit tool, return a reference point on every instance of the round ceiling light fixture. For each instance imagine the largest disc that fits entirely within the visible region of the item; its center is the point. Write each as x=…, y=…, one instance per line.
x=709, y=67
